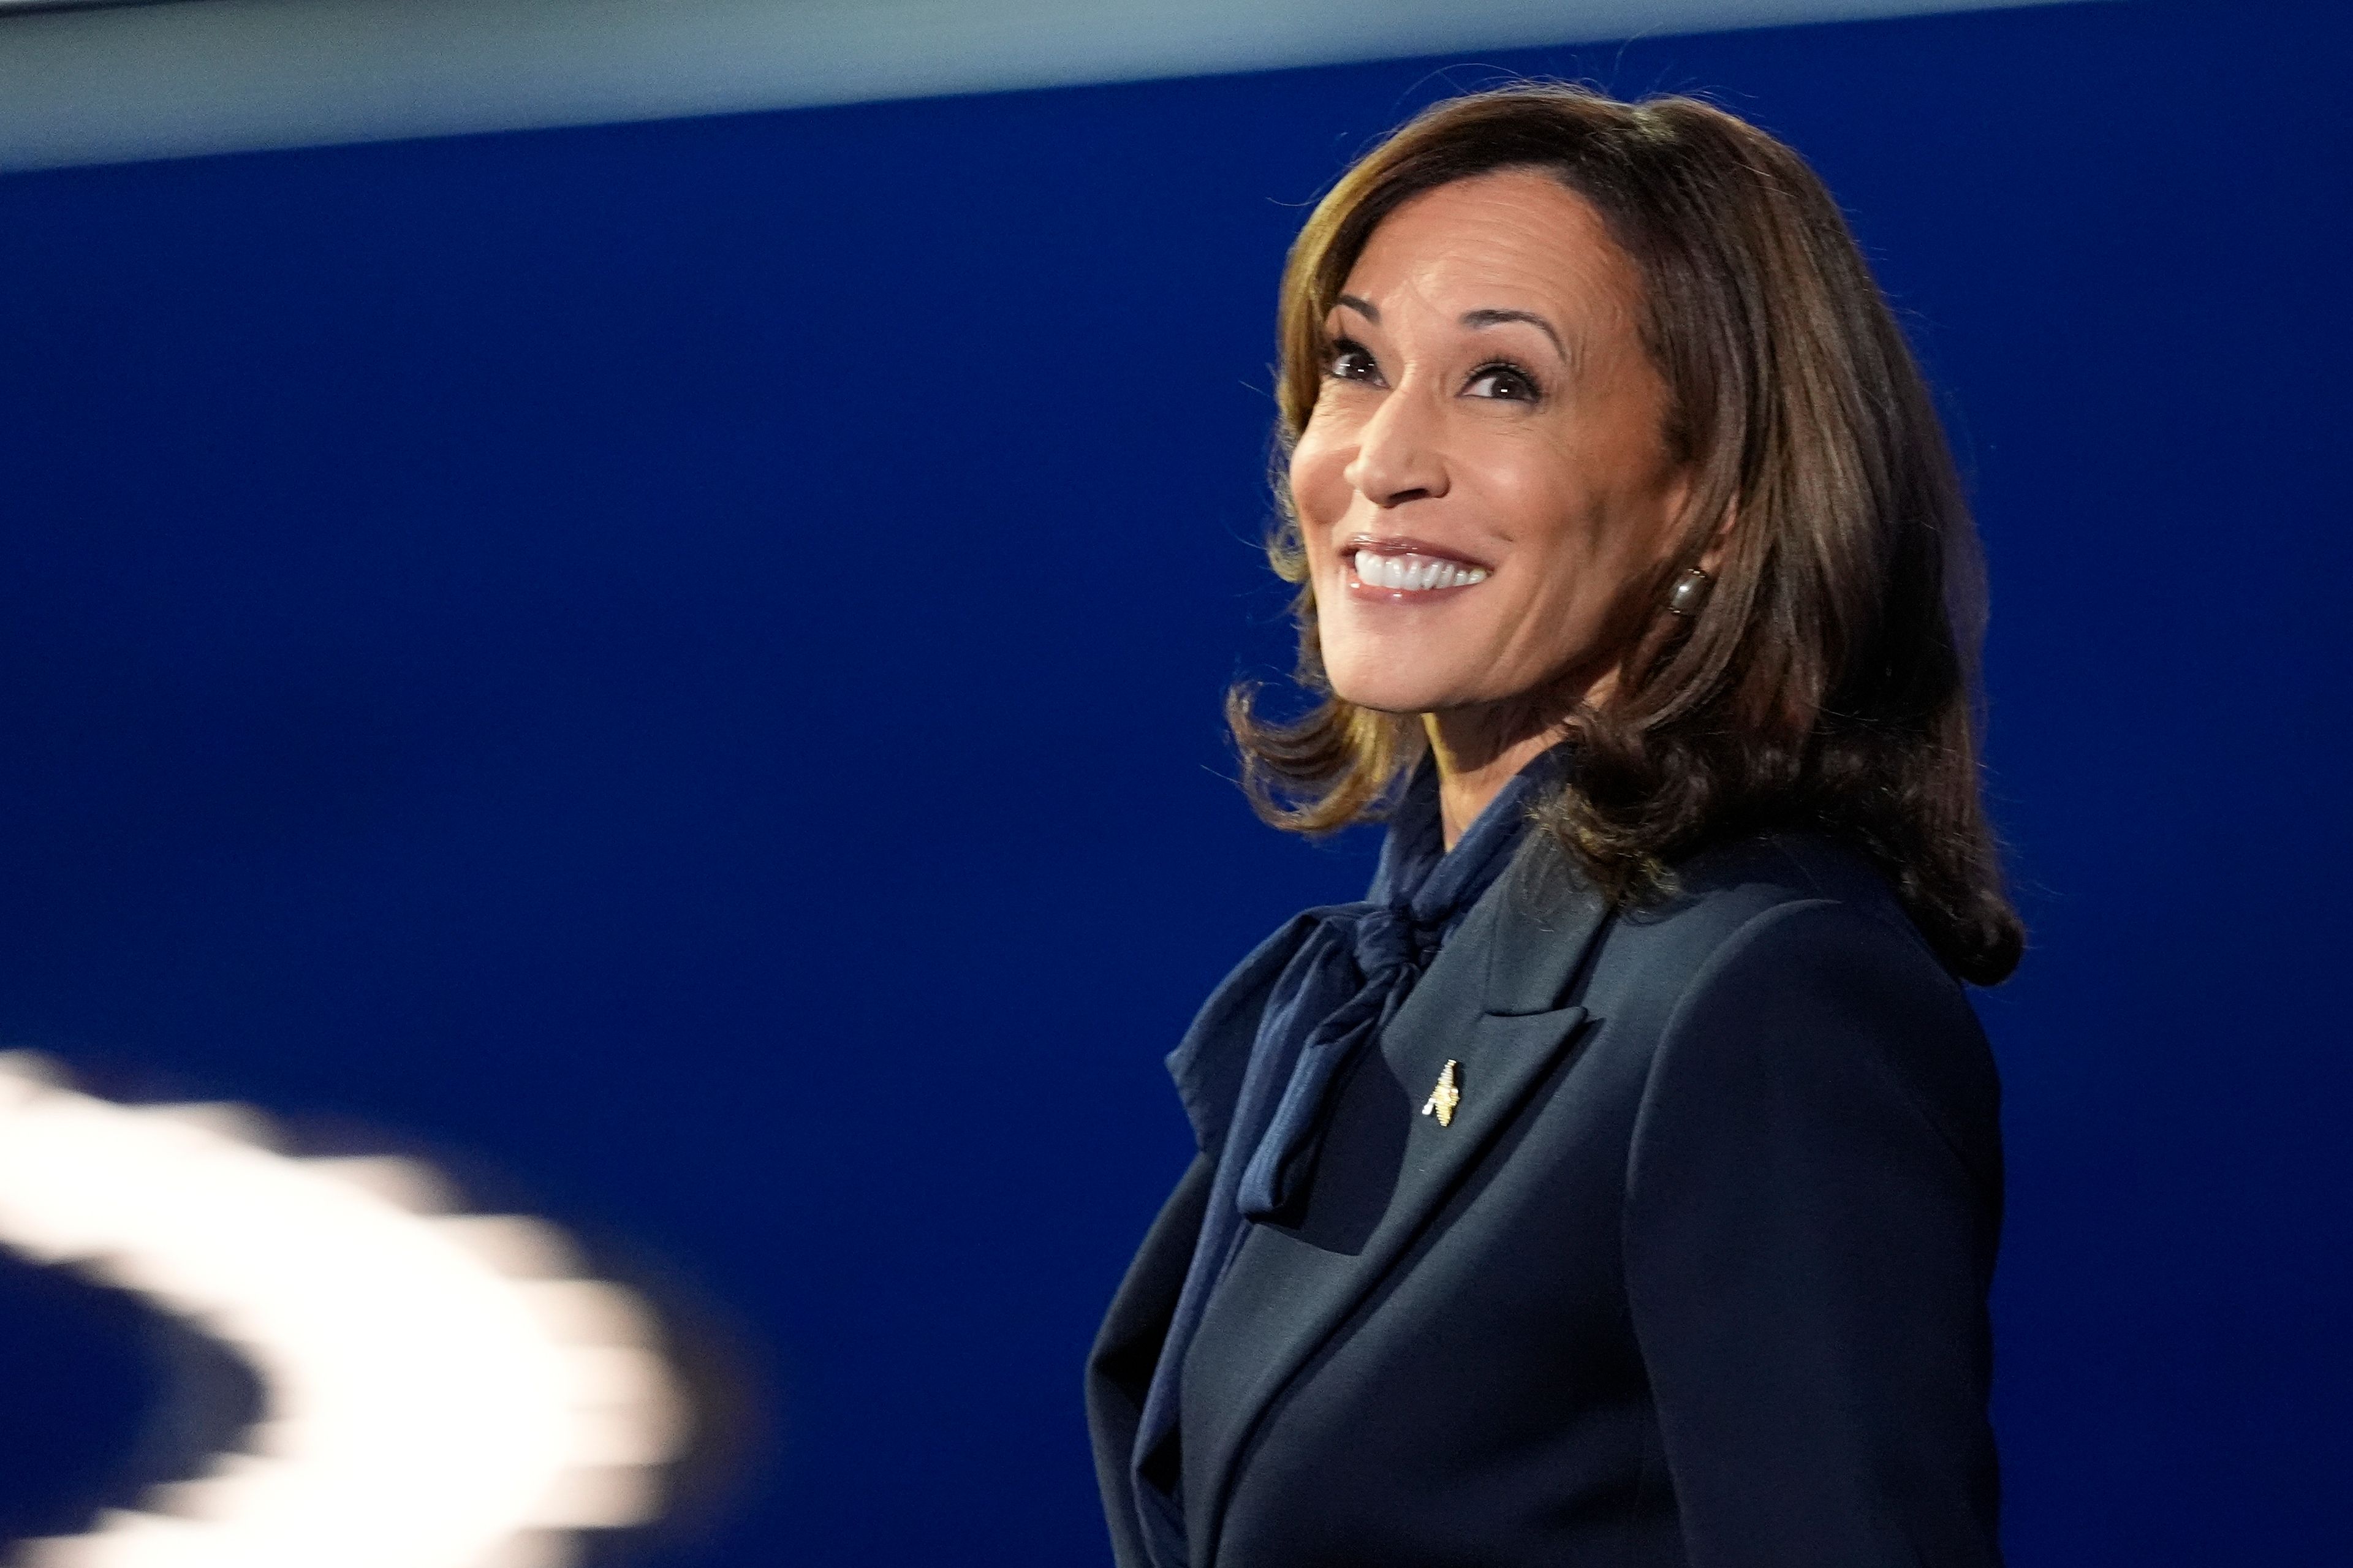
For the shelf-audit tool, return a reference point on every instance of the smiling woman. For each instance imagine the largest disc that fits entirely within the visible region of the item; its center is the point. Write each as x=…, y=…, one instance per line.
x=1460, y=442
x=1626, y=1190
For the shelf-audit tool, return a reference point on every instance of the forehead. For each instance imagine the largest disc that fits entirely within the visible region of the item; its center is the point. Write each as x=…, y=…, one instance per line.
x=1517, y=238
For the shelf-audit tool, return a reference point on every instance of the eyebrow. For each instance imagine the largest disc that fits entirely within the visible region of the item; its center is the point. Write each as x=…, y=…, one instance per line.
x=1473, y=318
x=1497, y=318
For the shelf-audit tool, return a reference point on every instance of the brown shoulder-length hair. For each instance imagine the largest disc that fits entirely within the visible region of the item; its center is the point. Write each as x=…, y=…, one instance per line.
x=1826, y=683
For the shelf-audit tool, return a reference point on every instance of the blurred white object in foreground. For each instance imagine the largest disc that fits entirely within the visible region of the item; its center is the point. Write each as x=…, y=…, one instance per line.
x=436, y=1391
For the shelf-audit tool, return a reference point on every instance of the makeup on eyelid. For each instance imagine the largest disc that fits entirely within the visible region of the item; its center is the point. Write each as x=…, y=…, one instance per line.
x=1351, y=360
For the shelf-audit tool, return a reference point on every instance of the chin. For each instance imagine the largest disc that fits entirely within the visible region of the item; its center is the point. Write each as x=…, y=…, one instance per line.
x=1389, y=689
x=1421, y=662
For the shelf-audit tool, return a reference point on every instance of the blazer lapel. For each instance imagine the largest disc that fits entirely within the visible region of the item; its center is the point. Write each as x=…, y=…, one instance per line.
x=1487, y=1006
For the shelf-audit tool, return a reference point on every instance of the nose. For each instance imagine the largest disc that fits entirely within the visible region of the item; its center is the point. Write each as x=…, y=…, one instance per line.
x=1399, y=456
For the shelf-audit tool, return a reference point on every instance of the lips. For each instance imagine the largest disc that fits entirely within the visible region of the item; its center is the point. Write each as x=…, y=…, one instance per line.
x=1395, y=567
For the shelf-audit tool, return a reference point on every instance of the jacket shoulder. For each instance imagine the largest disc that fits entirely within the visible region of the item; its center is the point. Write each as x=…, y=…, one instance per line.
x=1553, y=926
x=1813, y=1207
x=1794, y=947
x=1721, y=889
x=1773, y=932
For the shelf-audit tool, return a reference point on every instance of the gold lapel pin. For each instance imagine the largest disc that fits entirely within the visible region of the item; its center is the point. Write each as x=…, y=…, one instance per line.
x=1446, y=1095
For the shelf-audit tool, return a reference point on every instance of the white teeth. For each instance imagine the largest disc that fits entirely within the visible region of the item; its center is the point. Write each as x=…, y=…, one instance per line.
x=1414, y=574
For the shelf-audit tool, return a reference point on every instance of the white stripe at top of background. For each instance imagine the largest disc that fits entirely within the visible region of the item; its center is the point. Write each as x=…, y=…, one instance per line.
x=116, y=83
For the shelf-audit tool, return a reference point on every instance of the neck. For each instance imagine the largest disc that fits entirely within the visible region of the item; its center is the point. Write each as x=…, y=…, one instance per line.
x=1477, y=752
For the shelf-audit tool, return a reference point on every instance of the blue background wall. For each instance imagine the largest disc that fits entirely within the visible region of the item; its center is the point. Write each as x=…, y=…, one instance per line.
x=675, y=667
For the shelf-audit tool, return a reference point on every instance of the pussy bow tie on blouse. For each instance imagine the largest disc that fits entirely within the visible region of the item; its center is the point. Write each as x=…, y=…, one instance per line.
x=1351, y=970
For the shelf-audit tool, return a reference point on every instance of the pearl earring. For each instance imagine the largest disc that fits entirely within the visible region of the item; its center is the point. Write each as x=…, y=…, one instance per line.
x=1689, y=593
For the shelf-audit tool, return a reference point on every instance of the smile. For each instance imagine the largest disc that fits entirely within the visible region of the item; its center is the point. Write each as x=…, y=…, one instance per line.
x=1398, y=567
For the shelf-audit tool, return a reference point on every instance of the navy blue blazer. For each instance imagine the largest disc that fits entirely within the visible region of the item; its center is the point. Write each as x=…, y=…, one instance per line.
x=1696, y=1275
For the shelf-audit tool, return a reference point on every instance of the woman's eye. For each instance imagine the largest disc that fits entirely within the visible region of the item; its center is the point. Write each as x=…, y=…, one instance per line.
x=1353, y=362
x=1508, y=383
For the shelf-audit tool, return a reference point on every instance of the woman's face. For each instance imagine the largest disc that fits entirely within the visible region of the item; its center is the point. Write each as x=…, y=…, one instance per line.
x=1485, y=487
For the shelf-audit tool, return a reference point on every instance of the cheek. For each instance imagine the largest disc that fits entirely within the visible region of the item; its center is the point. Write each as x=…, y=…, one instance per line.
x=1319, y=499
x=1319, y=465
x=1575, y=503
x=1535, y=493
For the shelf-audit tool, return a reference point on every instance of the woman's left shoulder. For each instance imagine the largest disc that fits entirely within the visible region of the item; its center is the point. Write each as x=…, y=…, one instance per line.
x=1787, y=961
x=1784, y=892
x=1766, y=911
x=1816, y=977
